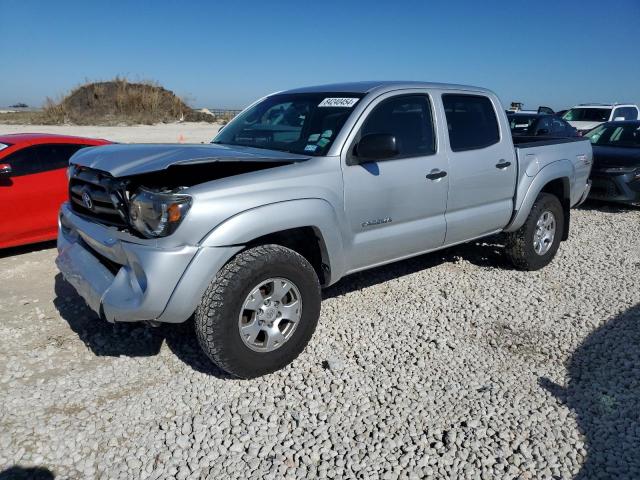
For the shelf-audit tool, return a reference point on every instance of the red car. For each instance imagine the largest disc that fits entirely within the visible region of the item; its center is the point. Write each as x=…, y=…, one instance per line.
x=33, y=184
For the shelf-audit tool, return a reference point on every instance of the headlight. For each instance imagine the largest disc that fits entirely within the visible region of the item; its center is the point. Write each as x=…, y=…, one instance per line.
x=156, y=214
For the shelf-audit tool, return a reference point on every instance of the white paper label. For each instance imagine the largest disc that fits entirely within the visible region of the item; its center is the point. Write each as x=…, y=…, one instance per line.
x=338, y=102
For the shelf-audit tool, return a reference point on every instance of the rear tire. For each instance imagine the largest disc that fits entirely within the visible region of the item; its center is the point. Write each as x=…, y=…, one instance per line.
x=260, y=311
x=535, y=244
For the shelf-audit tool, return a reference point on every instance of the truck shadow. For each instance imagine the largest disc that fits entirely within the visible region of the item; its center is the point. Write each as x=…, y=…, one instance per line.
x=487, y=252
x=604, y=392
x=26, y=473
x=22, y=249
x=140, y=340
x=607, y=207
x=129, y=339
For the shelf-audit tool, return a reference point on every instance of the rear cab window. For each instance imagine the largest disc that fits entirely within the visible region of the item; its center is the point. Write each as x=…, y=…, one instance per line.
x=471, y=121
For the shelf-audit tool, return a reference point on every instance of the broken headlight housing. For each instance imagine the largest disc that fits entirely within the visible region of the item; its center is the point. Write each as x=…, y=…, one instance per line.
x=157, y=214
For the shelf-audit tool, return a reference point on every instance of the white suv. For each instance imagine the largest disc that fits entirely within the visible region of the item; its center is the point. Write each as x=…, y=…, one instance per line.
x=587, y=116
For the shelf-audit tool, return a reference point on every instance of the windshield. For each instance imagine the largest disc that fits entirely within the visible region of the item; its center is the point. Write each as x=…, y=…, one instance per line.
x=587, y=115
x=616, y=136
x=304, y=123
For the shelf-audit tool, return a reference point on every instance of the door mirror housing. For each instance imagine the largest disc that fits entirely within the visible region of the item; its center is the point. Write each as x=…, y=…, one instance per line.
x=619, y=119
x=376, y=146
x=5, y=170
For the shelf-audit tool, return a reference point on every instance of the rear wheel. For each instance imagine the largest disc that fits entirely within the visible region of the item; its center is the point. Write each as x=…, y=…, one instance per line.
x=259, y=312
x=534, y=245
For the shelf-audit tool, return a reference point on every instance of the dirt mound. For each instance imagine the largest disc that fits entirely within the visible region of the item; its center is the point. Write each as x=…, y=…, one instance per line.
x=119, y=101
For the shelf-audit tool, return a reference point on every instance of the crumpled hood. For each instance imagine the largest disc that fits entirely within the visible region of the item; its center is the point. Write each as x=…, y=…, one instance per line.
x=124, y=160
x=609, y=157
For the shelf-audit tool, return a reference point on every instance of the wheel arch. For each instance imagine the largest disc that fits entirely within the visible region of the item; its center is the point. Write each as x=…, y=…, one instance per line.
x=307, y=226
x=555, y=179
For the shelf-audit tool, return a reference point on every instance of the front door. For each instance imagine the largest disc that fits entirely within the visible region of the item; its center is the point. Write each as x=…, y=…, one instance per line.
x=395, y=208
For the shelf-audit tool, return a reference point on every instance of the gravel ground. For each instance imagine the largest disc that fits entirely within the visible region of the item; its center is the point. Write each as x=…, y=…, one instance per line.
x=449, y=365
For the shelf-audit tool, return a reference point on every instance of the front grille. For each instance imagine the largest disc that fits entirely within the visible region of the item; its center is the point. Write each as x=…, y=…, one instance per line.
x=106, y=200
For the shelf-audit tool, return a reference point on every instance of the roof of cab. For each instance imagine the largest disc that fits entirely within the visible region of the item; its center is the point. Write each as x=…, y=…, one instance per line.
x=381, y=86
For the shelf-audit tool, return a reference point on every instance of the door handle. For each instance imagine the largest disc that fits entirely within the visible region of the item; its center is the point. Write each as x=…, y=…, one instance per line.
x=502, y=164
x=436, y=174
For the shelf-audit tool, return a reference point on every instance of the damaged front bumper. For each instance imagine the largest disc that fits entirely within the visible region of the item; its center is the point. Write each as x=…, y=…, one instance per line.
x=126, y=279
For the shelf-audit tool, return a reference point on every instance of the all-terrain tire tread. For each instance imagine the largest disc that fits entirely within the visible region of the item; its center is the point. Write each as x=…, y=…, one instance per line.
x=517, y=242
x=207, y=326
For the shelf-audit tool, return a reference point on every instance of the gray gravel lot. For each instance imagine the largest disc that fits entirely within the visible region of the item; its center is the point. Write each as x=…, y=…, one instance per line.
x=450, y=365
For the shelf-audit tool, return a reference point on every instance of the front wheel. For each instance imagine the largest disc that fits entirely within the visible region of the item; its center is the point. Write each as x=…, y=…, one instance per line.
x=534, y=245
x=259, y=312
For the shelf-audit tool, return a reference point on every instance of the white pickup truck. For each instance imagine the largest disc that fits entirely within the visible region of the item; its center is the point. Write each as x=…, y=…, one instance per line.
x=300, y=189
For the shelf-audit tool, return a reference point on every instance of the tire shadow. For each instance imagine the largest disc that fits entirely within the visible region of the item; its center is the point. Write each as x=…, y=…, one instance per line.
x=135, y=339
x=604, y=392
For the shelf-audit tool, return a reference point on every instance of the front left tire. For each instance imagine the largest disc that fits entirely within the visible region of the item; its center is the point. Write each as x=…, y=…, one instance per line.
x=260, y=311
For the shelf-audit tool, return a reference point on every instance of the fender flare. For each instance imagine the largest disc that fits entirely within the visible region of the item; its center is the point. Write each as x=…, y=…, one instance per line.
x=316, y=213
x=560, y=170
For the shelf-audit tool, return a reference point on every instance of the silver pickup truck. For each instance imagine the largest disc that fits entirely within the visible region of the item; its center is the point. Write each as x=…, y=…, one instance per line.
x=300, y=189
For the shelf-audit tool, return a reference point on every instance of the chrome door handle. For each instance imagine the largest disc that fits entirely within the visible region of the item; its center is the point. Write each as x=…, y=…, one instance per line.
x=436, y=174
x=502, y=164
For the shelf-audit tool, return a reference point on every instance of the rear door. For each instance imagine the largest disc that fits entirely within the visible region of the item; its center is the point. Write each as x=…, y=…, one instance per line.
x=482, y=167
x=395, y=208
x=36, y=188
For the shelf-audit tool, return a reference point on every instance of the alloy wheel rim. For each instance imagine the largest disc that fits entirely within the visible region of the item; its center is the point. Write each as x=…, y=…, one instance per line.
x=270, y=314
x=545, y=233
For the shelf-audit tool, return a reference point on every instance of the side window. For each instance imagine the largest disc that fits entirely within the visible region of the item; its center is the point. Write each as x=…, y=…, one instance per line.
x=558, y=125
x=471, y=121
x=40, y=158
x=628, y=113
x=54, y=156
x=408, y=118
x=543, y=124
x=21, y=161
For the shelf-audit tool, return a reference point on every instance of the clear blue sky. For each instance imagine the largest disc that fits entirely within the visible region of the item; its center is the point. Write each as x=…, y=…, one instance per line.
x=224, y=53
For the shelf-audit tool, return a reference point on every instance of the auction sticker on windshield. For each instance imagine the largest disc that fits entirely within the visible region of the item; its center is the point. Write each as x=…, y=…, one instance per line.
x=338, y=102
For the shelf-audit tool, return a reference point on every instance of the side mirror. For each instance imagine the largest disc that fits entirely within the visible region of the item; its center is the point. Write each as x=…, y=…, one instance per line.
x=376, y=146
x=542, y=131
x=5, y=170
x=619, y=119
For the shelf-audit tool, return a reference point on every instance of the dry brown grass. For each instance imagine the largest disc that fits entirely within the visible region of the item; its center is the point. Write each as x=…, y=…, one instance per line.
x=113, y=102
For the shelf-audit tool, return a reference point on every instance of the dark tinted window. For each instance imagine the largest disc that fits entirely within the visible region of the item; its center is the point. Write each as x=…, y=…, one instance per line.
x=587, y=114
x=41, y=158
x=543, y=126
x=627, y=135
x=559, y=126
x=408, y=118
x=471, y=121
x=628, y=113
x=520, y=123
